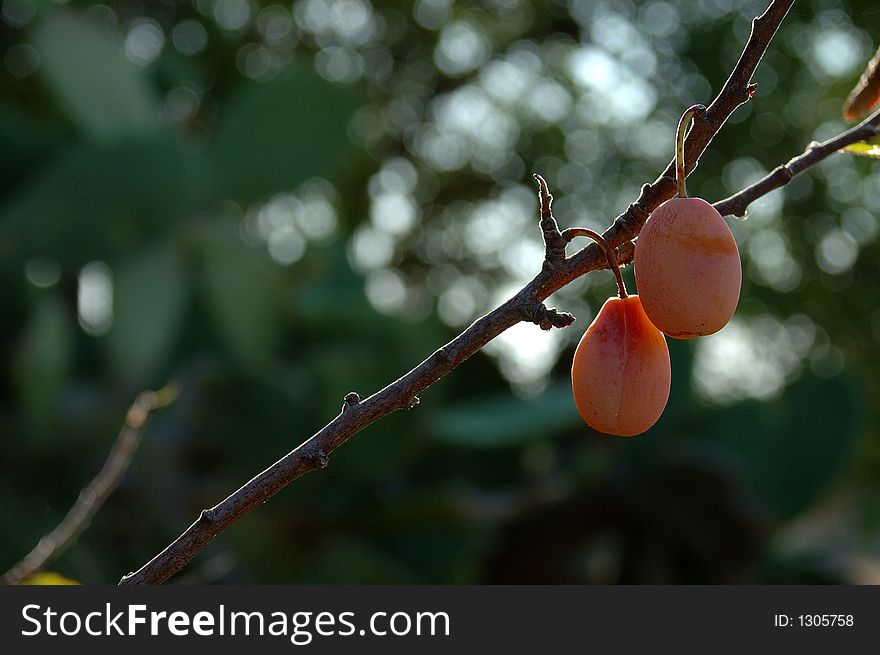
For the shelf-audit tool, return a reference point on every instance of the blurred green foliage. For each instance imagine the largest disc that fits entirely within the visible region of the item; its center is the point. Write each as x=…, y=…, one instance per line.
x=276, y=204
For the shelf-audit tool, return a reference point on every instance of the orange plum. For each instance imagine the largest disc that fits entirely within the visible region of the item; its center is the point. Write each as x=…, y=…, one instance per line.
x=687, y=268
x=621, y=373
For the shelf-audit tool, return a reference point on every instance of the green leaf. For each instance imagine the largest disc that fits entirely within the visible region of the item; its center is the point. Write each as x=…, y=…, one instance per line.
x=863, y=149
x=497, y=421
x=84, y=69
x=42, y=363
x=149, y=302
x=278, y=134
x=241, y=293
x=99, y=202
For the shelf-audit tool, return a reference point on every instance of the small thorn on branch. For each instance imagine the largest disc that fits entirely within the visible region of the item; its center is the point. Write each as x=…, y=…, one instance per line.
x=320, y=459
x=554, y=244
x=546, y=319
x=632, y=220
x=443, y=354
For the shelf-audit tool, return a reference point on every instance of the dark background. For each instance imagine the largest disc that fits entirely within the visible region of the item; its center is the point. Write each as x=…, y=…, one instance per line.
x=273, y=205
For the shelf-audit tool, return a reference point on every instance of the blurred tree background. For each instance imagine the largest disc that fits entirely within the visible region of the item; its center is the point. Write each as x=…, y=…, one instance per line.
x=274, y=204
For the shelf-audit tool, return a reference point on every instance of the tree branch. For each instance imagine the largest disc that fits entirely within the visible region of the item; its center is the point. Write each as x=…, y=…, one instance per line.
x=554, y=243
x=526, y=305
x=93, y=496
x=736, y=90
x=737, y=204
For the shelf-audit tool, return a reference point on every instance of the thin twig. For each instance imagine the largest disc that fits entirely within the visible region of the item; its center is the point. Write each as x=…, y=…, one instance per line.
x=554, y=244
x=98, y=490
x=526, y=305
x=737, y=204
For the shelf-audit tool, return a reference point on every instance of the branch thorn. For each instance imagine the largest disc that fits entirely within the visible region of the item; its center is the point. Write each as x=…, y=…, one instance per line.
x=547, y=318
x=554, y=244
x=320, y=459
x=351, y=399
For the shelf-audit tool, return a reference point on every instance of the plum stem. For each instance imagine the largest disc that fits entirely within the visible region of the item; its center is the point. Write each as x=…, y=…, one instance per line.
x=573, y=232
x=680, y=173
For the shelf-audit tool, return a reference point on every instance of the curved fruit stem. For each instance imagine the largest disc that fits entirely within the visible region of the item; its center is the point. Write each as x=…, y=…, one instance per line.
x=680, y=174
x=573, y=232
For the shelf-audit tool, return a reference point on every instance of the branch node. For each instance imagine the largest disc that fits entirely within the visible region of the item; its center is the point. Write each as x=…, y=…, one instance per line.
x=444, y=354
x=547, y=318
x=320, y=459
x=554, y=244
x=352, y=399
x=549, y=265
x=412, y=402
x=631, y=221
x=208, y=516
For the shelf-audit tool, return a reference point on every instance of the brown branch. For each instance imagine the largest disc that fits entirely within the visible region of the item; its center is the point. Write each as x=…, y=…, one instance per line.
x=737, y=204
x=93, y=496
x=736, y=90
x=527, y=305
x=554, y=243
